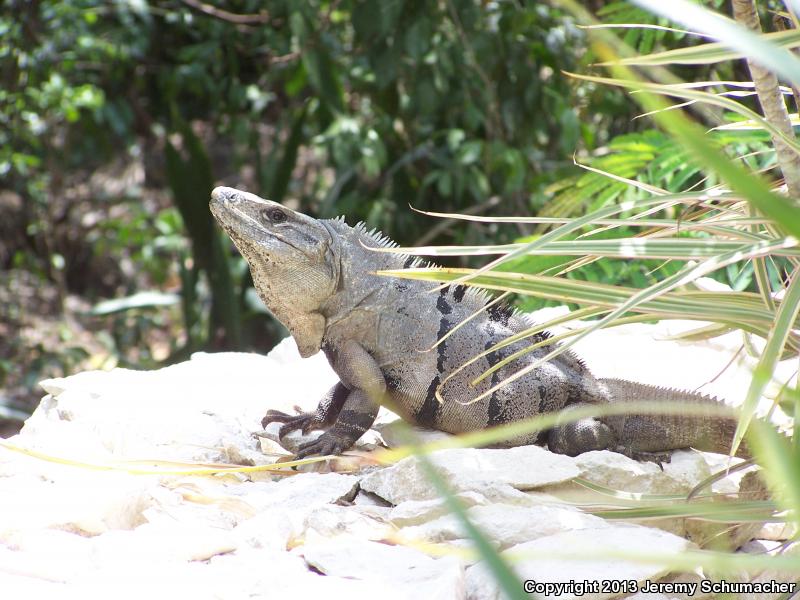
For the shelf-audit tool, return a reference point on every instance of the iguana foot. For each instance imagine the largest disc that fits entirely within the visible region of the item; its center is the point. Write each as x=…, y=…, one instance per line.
x=659, y=458
x=305, y=422
x=580, y=436
x=327, y=443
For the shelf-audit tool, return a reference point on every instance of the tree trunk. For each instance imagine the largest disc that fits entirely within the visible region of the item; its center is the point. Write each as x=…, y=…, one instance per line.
x=771, y=100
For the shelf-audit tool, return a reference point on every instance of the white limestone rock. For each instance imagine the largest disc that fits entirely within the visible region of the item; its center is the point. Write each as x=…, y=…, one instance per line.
x=396, y=433
x=721, y=463
x=304, y=490
x=281, y=509
x=73, y=499
x=771, y=577
x=364, y=498
x=44, y=554
x=686, y=469
x=176, y=543
x=273, y=529
x=777, y=531
x=331, y=521
x=204, y=409
x=406, y=572
x=464, y=469
x=505, y=525
x=415, y=512
x=268, y=574
x=113, y=557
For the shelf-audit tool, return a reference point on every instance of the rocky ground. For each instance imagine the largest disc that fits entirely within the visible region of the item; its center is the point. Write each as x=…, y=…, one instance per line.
x=121, y=518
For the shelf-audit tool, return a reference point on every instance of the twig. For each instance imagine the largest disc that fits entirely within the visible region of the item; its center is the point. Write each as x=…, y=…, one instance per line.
x=219, y=13
x=284, y=58
x=289, y=57
x=446, y=224
x=719, y=374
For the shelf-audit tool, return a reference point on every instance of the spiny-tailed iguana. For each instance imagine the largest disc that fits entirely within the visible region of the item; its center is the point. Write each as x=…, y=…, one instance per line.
x=318, y=277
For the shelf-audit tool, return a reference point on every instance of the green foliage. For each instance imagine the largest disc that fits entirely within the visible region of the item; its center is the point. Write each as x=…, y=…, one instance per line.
x=656, y=161
x=57, y=63
x=351, y=107
x=190, y=180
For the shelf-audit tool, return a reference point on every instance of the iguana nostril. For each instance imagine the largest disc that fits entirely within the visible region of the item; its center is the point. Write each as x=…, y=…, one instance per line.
x=225, y=195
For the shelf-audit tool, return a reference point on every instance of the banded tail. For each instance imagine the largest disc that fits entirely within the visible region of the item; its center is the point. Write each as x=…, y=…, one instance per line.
x=655, y=433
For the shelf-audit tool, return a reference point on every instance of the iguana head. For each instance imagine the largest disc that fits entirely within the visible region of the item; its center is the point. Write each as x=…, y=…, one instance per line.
x=291, y=256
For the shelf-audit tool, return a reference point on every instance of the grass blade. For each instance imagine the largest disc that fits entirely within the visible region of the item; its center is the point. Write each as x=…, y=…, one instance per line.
x=719, y=100
x=669, y=248
x=778, y=336
x=729, y=33
x=705, y=54
x=685, y=275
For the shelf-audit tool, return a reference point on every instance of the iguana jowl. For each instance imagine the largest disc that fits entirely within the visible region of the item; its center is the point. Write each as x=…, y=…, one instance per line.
x=318, y=277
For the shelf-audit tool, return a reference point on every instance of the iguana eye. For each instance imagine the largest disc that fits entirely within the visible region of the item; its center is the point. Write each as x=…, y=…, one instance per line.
x=274, y=215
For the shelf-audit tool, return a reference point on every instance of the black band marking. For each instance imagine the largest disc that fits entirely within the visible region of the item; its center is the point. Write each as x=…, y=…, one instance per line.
x=495, y=409
x=441, y=350
x=500, y=313
x=355, y=420
x=429, y=411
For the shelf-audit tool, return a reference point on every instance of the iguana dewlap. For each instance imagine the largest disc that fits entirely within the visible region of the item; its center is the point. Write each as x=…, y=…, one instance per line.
x=318, y=277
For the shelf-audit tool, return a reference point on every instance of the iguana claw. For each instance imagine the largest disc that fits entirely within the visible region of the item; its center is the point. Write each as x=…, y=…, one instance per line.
x=305, y=422
x=325, y=444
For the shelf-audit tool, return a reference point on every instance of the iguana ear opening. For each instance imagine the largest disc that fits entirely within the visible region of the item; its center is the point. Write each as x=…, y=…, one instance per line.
x=307, y=331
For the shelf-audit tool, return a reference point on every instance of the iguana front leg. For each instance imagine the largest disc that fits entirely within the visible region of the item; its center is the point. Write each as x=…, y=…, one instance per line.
x=349, y=409
x=321, y=418
x=356, y=417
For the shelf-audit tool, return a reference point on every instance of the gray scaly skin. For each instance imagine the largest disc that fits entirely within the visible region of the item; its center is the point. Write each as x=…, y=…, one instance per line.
x=318, y=278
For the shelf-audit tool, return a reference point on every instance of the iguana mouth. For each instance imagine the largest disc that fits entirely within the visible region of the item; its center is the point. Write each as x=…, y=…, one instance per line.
x=224, y=207
x=233, y=221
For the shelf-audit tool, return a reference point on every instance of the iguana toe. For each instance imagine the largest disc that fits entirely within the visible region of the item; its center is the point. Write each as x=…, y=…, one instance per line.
x=275, y=416
x=659, y=457
x=325, y=444
x=304, y=421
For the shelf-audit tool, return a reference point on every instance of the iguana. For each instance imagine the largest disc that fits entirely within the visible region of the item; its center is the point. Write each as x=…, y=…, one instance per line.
x=318, y=277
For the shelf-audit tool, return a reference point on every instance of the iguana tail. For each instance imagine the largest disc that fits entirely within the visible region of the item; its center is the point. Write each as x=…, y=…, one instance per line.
x=659, y=432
